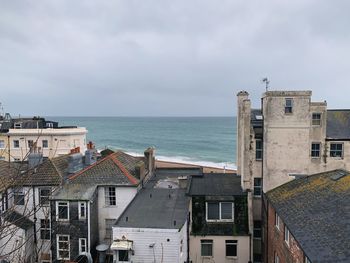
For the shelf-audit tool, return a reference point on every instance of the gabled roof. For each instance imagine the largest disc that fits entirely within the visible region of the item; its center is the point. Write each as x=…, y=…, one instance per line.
x=316, y=210
x=118, y=168
x=18, y=219
x=338, y=124
x=214, y=184
x=18, y=174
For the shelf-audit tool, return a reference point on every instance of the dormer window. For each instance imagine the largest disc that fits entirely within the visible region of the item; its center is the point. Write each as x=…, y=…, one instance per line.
x=288, y=108
x=18, y=125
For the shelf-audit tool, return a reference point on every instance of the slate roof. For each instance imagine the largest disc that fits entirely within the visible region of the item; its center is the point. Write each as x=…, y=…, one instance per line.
x=316, y=210
x=214, y=184
x=18, y=220
x=117, y=168
x=75, y=192
x=153, y=208
x=338, y=124
x=50, y=172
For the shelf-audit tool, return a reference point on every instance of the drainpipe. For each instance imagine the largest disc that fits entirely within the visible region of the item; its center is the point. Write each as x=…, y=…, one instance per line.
x=34, y=228
x=9, y=147
x=188, y=237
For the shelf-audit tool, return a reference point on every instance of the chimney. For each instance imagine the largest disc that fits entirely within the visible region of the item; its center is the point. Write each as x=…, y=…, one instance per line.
x=149, y=159
x=182, y=182
x=75, y=162
x=140, y=171
x=90, y=154
x=35, y=159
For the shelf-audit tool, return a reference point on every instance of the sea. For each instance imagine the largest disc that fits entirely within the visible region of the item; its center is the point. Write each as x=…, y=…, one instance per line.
x=207, y=141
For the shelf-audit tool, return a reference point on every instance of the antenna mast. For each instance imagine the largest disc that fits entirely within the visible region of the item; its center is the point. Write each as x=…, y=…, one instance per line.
x=267, y=83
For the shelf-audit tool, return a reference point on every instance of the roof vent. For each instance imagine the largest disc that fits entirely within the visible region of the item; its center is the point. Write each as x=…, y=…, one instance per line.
x=339, y=174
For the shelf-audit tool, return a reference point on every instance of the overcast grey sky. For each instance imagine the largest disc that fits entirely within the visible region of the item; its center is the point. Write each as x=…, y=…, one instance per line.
x=161, y=58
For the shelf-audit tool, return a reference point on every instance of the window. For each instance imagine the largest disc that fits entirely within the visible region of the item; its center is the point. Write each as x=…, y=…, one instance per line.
x=257, y=229
x=206, y=247
x=286, y=235
x=315, y=149
x=2, y=158
x=45, y=229
x=288, y=108
x=257, y=186
x=110, y=196
x=18, y=125
x=316, y=119
x=277, y=259
x=109, y=223
x=15, y=143
x=277, y=221
x=336, y=150
x=63, y=247
x=18, y=196
x=258, y=149
x=30, y=143
x=231, y=248
x=62, y=210
x=2, y=144
x=123, y=255
x=45, y=143
x=49, y=125
x=82, y=245
x=220, y=211
x=82, y=210
x=44, y=195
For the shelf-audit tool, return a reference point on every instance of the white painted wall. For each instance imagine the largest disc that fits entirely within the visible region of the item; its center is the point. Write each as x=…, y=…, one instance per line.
x=219, y=249
x=124, y=196
x=163, y=250
x=60, y=141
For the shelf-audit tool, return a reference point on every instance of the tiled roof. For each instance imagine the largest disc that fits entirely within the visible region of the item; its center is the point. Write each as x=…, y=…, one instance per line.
x=214, y=184
x=18, y=174
x=118, y=168
x=316, y=210
x=338, y=124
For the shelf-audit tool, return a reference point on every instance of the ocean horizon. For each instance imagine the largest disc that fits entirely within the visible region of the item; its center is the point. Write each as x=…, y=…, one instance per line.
x=206, y=141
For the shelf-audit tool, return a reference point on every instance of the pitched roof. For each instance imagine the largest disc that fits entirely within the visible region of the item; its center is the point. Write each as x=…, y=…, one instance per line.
x=75, y=192
x=18, y=174
x=214, y=184
x=316, y=210
x=158, y=206
x=338, y=124
x=18, y=219
x=118, y=168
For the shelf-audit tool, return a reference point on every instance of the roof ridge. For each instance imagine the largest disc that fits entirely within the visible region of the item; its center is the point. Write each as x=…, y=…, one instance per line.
x=130, y=177
x=89, y=167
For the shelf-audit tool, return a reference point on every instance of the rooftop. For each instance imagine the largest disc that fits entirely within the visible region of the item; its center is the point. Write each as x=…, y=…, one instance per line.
x=162, y=203
x=316, y=210
x=214, y=184
x=75, y=192
x=117, y=168
x=338, y=124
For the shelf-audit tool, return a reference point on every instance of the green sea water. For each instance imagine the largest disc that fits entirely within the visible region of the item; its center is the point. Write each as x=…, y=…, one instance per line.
x=200, y=140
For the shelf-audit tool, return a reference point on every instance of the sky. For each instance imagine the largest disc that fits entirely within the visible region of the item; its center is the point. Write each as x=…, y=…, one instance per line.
x=166, y=57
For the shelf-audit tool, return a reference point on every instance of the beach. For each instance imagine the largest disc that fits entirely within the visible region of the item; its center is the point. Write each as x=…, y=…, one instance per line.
x=206, y=169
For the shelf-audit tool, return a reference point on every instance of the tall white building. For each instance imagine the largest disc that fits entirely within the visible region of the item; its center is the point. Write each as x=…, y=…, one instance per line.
x=19, y=136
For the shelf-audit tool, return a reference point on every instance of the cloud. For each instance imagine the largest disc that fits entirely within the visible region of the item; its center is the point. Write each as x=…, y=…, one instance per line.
x=168, y=57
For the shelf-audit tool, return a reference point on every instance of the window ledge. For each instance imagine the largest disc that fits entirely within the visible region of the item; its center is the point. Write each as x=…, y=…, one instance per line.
x=232, y=257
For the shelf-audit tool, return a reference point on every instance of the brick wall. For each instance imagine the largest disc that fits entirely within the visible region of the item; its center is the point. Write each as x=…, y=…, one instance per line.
x=274, y=239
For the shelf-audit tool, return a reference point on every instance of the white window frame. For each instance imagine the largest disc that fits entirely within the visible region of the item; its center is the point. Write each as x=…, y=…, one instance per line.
x=82, y=245
x=47, y=203
x=257, y=187
x=18, y=125
x=231, y=243
x=277, y=221
x=19, y=191
x=342, y=150
x=14, y=144
x=314, y=121
x=57, y=211
x=287, y=107
x=47, y=144
x=47, y=228
x=306, y=259
x=2, y=144
x=319, y=150
x=220, y=215
x=207, y=242
x=259, y=150
x=80, y=204
x=58, y=250
x=276, y=259
x=108, y=196
x=286, y=235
